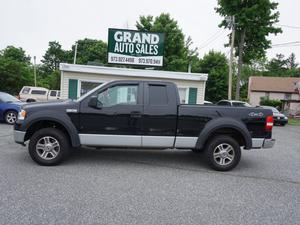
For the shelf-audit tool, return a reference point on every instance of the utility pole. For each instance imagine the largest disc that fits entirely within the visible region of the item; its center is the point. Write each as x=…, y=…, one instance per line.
x=231, y=58
x=190, y=67
x=75, y=53
x=34, y=69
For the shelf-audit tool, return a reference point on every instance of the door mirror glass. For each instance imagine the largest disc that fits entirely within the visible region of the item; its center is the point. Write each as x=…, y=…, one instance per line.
x=94, y=103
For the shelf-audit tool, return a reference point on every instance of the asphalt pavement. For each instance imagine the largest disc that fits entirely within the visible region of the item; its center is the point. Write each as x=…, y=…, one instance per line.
x=127, y=186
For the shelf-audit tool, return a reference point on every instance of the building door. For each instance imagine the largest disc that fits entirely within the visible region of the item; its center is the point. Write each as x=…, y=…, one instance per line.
x=118, y=120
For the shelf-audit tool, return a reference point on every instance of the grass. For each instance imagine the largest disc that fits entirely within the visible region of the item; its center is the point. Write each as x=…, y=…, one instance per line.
x=295, y=122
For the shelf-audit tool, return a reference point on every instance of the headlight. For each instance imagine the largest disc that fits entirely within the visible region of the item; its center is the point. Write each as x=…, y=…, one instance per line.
x=285, y=118
x=22, y=114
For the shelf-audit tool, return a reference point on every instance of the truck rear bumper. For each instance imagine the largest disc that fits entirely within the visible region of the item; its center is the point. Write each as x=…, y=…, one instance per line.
x=262, y=143
x=19, y=136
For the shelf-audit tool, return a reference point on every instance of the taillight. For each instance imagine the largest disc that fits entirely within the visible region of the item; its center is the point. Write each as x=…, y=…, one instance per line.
x=269, y=123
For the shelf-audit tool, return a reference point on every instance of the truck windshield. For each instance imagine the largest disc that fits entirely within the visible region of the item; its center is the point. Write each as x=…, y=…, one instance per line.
x=89, y=92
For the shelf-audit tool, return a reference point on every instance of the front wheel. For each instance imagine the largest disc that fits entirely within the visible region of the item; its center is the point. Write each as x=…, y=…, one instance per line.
x=223, y=153
x=49, y=147
x=11, y=117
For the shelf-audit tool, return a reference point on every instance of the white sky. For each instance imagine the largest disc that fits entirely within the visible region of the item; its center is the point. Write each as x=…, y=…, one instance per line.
x=31, y=24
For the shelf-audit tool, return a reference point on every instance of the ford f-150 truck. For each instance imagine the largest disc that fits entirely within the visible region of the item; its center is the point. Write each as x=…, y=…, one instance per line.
x=141, y=114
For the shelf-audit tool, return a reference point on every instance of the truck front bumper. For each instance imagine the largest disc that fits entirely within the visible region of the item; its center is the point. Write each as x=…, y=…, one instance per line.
x=19, y=136
x=262, y=143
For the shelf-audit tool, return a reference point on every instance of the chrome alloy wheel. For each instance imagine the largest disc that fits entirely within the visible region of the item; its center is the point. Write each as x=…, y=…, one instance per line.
x=224, y=154
x=47, y=148
x=11, y=117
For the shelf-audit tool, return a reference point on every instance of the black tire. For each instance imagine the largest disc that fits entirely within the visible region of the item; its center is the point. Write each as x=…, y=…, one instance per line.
x=10, y=117
x=52, y=135
x=223, y=160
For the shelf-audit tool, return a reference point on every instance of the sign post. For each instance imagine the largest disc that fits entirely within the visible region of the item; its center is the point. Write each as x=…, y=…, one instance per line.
x=132, y=47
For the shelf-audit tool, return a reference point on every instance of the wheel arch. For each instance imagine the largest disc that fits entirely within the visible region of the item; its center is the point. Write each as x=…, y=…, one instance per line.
x=225, y=126
x=67, y=127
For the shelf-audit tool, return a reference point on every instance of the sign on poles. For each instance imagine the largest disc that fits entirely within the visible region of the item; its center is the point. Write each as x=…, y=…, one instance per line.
x=135, y=47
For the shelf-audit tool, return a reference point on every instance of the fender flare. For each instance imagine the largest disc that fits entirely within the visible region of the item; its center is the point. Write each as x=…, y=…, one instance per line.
x=223, y=122
x=64, y=120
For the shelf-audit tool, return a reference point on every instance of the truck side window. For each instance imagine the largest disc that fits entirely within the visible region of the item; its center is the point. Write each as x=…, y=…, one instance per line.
x=119, y=94
x=53, y=93
x=38, y=92
x=26, y=90
x=158, y=95
x=224, y=103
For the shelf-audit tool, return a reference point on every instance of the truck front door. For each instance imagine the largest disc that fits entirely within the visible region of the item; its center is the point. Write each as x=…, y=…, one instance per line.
x=118, y=119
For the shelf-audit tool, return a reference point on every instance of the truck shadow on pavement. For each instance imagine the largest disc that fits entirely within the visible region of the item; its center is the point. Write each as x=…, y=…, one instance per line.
x=180, y=159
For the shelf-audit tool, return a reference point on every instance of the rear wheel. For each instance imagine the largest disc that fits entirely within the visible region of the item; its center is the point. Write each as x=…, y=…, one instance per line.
x=11, y=117
x=49, y=147
x=223, y=153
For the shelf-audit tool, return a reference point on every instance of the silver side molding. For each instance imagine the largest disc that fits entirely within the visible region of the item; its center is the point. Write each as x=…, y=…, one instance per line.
x=111, y=140
x=158, y=141
x=137, y=141
x=186, y=142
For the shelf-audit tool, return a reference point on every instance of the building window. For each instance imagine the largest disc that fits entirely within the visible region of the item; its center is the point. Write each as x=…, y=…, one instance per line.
x=86, y=86
x=287, y=96
x=183, y=93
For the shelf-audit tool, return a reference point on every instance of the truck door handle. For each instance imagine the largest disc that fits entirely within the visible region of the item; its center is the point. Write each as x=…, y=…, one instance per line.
x=135, y=114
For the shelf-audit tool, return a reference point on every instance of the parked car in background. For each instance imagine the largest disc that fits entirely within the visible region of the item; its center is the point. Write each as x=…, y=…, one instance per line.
x=9, y=108
x=38, y=94
x=279, y=118
x=207, y=103
x=233, y=103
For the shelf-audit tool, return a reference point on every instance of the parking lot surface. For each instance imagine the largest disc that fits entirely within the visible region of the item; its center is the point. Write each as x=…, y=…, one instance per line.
x=116, y=186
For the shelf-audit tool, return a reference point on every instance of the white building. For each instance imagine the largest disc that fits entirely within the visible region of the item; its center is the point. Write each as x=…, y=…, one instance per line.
x=78, y=79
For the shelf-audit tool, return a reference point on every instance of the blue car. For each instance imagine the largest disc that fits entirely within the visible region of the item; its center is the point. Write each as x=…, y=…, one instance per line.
x=9, y=108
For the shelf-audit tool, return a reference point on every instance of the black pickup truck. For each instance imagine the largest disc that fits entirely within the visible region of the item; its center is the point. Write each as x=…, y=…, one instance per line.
x=141, y=114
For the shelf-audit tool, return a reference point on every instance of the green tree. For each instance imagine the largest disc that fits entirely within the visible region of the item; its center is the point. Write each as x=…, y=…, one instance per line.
x=90, y=51
x=281, y=66
x=15, y=70
x=291, y=62
x=176, y=53
x=53, y=57
x=216, y=65
x=254, y=21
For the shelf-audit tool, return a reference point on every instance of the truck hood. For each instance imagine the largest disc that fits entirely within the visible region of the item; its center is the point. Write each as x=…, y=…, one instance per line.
x=51, y=105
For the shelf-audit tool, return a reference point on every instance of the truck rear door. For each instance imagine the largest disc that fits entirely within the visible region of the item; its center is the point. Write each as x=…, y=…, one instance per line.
x=160, y=114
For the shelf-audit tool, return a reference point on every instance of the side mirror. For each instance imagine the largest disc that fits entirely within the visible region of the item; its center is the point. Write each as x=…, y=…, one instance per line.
x=94, y=103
